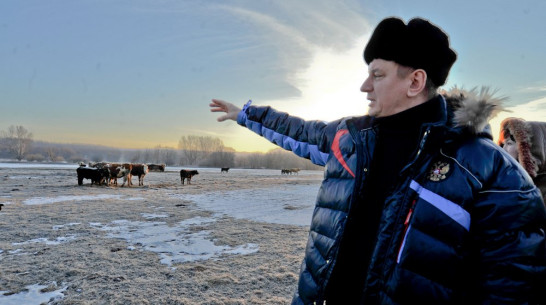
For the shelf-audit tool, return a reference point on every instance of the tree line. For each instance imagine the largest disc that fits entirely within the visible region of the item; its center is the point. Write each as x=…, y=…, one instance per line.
x=200, y=151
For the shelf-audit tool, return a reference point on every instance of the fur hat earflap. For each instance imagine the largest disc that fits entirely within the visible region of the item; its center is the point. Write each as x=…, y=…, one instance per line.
x=521, y=132
x=474, y=108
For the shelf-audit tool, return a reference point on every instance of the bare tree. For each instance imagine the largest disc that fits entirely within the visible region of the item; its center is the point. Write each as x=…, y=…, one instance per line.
x=17, y=140
x=194, y=148
x=51, y=153
x=224, y=158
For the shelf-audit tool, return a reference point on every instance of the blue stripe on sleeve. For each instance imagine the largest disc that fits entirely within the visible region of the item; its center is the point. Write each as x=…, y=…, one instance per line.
x=302, y=149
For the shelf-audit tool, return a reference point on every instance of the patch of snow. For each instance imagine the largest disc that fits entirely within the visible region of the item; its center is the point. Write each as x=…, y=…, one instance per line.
x=37, y=165
x=58, y=227
x=173, y=244
x=33, y=295
x=135, y=198
x=291, y=204
x=49, y=200
x=57, y=241
x=152, y=216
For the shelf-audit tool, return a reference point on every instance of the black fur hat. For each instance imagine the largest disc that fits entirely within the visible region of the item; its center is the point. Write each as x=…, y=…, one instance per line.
x=419, y=44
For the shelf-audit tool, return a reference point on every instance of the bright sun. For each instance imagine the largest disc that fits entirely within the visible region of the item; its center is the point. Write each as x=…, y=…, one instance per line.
x=330, y=87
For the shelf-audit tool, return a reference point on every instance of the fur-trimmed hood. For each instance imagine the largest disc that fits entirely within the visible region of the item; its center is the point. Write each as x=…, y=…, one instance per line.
x=530, y=138
x=472, y=109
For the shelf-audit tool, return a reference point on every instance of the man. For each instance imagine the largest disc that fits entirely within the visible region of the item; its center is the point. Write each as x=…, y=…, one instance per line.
x=418, y=205
x=525, y=141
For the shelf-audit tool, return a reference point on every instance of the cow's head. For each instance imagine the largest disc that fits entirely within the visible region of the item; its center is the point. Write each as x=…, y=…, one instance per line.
x=122, y=171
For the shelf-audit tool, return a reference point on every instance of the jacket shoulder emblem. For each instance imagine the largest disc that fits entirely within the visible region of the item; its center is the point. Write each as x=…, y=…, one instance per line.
x=438, y=171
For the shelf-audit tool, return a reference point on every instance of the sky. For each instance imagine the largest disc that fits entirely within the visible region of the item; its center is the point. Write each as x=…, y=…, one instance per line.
x=140, y=74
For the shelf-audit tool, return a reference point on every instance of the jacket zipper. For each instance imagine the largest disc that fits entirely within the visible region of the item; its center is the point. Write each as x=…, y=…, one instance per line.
x=406, y=227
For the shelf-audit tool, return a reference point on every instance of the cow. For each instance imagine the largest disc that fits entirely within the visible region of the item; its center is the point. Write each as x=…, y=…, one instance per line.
x=224, y=169
x=97, y=175
x=125, y=173
x=139, y=170
x=97, y=164
x=294, y=171
x=290, y=171
x=187, y=174
x=116, y=170
x=156, y=167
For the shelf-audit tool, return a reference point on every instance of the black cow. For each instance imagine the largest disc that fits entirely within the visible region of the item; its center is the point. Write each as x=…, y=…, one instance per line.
x=97, y=175
x=224, y=169
x=156, y=167
x=187, y=174
x=139, y=170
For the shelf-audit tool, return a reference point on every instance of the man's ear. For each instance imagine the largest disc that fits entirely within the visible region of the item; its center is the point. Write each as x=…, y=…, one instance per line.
x=418, y=82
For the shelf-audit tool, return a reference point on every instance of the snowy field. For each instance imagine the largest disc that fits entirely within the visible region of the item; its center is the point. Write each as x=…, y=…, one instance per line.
x=227, y=238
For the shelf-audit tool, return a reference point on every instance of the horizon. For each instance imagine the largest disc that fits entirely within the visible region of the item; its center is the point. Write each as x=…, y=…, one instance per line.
x=140, y=74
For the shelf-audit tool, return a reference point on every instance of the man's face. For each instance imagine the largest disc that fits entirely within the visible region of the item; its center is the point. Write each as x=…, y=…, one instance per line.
x=387, y=91
x=511, y=147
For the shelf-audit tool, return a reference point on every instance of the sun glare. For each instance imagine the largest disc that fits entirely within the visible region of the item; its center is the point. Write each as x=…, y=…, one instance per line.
x=330, y=86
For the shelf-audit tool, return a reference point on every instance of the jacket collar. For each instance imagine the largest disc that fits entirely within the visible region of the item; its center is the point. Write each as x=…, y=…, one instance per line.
x=463, y=113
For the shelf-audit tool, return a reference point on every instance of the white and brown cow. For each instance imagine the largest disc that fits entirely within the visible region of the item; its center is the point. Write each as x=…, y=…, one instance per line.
x=119, y=170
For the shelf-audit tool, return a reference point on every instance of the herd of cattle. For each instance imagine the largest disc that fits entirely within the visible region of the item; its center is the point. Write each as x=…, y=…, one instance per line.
x=108, y=173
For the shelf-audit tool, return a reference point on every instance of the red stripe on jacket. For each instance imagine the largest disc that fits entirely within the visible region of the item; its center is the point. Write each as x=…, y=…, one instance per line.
x=337, y=151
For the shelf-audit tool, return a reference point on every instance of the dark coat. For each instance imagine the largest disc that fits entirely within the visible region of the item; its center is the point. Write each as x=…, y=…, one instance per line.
x=464, y=225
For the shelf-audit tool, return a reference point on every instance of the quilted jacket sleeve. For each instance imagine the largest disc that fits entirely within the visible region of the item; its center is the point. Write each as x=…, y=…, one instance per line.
x=307, y=139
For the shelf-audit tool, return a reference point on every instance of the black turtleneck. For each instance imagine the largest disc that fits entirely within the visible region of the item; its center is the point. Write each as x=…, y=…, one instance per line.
x=397, y=140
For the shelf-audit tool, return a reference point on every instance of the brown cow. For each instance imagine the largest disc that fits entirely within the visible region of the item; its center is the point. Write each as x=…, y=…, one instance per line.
x=187, y=174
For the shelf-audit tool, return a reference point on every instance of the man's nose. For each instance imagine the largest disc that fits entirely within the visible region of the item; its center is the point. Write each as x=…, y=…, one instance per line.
x=366, y=86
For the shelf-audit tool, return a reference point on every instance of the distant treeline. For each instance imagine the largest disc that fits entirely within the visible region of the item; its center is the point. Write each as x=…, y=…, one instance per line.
x=16, y=143
x=192, y=151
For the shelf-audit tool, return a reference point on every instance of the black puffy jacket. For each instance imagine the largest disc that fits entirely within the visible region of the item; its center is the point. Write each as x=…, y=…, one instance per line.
x=465, y=225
